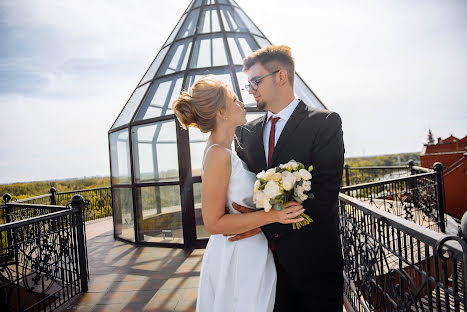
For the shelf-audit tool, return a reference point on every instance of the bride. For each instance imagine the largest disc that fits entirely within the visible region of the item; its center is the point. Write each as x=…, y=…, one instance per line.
x=239, y=275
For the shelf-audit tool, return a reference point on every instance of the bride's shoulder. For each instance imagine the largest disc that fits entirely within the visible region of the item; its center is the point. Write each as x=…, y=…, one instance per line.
x=216, y=155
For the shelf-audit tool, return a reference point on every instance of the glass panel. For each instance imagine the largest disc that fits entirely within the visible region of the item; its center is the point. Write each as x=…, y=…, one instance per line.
x=197, y=145
x=198, y=3
x=130, y=107
x=240, y=47
x=231, y=20
x=246, y=21
x=208, y=2
x=209, y=52
x=123, y=213
x=155, y=65
x=219, y=73
x=175, y=31
x=236, y=20
x=120, y=157
x=305, y=94
x=189, y=26
x=222, y=1
x=161, y=214
x=209, y=21
x=248, y=99
x=262, y=41
x=160, y=97
x=201, y=231
x=155, y=152
x=177, y=58
x=233, y=3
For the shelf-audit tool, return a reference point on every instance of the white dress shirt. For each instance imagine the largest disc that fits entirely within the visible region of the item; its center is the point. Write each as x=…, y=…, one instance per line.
x=284, y=115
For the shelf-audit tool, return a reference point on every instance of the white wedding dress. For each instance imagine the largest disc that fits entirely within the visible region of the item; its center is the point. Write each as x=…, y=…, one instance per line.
x=241, y=275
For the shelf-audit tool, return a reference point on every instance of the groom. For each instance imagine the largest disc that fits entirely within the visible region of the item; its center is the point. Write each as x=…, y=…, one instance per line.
x=309, y=260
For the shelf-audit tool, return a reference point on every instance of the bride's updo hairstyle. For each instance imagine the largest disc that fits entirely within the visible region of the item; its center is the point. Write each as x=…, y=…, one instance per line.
x=198, y=109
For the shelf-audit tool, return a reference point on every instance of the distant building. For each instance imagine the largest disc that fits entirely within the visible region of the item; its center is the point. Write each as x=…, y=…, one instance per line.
x=452, y=153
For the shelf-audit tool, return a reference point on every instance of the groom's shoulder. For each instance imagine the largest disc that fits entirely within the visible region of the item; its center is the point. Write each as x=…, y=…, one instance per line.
x=321, y=115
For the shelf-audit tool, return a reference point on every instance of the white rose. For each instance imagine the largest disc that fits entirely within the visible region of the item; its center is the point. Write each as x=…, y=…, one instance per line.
x=258, y=198
x=271, y=189
x=269, y=174
x=271, y=171
x=297, y=175
x=305, y=174
x=299, y=193
x=262, y=201
x=288, y=180
x=266, y=204
x=287, y=166
x=306, y=185
x=261, y=175
x=257, y=185
x=293, y=164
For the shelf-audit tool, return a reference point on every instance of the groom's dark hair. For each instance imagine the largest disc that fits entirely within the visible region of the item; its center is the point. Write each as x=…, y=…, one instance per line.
x=272, y=57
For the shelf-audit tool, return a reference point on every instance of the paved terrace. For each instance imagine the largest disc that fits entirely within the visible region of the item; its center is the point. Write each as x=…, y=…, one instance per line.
x=124, y=277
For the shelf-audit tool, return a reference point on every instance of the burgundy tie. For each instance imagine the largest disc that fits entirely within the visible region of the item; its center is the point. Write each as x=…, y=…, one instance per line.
x=272, y=135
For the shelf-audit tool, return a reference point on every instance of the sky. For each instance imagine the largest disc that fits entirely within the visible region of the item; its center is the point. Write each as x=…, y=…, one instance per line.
x=391, y=69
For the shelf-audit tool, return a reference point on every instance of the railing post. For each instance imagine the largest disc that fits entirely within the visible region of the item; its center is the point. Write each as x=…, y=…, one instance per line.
x=9, y=238
x=53, y=200
x=347, y=181
x=77, y=202
x=438, y=167
x=411, y=163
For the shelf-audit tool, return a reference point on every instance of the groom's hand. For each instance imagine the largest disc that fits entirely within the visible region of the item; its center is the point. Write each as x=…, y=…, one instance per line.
x=245, y=235
x=241, y=208
x=252, y=232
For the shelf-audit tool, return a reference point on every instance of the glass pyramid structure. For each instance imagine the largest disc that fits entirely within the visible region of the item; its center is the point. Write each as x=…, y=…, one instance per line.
x=155, y=164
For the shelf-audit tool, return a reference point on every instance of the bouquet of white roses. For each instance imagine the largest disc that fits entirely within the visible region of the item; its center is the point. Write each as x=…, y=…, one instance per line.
x=276, y=186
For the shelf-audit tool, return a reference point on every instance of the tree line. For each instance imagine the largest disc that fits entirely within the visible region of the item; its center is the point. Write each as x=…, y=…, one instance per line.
x=30, y=189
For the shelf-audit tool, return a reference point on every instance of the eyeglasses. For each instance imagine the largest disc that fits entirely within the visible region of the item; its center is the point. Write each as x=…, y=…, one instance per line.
x=253, y=85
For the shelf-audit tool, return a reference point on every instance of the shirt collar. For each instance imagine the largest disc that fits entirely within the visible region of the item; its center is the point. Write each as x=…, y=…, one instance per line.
x=286, y=112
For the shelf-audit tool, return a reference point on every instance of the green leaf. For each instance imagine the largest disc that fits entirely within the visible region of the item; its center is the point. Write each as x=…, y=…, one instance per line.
x=278, y=207
x=311, y=196
x=310, y=169
x=300, y=166
x=278, y=169
x=262, y=181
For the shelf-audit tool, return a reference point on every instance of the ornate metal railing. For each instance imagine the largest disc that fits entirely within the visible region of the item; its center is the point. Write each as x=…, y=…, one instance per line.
x=100, y=202
x=391, y=264
x=43, y=261
x=36, y=200
x=418, y=198
x=358, y=175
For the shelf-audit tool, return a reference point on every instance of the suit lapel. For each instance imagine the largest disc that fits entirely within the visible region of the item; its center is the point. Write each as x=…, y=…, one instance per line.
x=259, y=145
x=286, y=134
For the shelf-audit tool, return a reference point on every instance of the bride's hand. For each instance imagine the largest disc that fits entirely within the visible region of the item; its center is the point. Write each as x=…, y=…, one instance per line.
x=287, y=215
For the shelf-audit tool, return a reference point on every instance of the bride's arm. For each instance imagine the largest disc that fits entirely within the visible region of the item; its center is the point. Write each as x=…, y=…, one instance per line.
x=216, y=176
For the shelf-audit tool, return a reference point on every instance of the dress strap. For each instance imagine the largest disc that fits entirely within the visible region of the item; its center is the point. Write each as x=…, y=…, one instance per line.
x=207, y=150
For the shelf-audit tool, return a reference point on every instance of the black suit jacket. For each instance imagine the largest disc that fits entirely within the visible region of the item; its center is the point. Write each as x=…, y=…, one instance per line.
x=313, y=137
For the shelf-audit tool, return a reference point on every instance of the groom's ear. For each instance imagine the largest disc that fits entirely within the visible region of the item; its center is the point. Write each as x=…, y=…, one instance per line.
x=283, y=77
